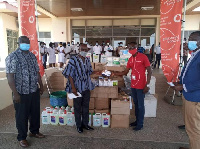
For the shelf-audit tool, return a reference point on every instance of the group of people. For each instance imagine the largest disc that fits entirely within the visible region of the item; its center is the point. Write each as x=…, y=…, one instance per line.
x=21, y=66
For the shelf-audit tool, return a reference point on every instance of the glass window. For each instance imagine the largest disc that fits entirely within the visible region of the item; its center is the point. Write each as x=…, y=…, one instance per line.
x=44, y=34
x=147, y=41
x=99, y=31
x=147, y=31
x=78, y=32
x=126, y=31
x=12, y=37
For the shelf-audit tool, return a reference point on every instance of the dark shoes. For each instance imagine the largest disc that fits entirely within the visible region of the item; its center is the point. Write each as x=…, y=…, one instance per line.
x=137, y=128
x=24, y=143
x=133, y=124
x=88, y=127
x=182, y=127
x=39, y=135
x=80, y=129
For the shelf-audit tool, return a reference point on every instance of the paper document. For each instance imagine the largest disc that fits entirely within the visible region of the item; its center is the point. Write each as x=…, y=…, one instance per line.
x=171, y=84
x=72, y=96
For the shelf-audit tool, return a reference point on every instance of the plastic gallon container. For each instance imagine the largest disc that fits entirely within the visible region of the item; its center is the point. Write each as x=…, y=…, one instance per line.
x=90, y=120
x=70, y=119
x=97, y=120
x=63, y=118
x=105, y=120
x=45, y=117
x=54, y=118
x=72, y=109
x=60, y=111
x=68, y=108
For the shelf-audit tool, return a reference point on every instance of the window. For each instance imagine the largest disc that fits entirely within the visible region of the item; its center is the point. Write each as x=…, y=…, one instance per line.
x=45, y=37
x=12, y=37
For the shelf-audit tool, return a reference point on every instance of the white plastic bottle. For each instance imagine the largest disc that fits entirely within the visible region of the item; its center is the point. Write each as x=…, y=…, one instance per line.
x=63, y=107
x=63, y=118
x=45, y=117
x=60, y=111
x=70, y=119
x=90, y=120
x=68, y=109
x=97, y=120
x=105, y=120
x=54, y=118
x=72, y=109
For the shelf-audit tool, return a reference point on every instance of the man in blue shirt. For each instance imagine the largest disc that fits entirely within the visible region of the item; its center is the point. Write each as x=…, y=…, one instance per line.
x=140, y=49
x=190, y=86
x=78, y=73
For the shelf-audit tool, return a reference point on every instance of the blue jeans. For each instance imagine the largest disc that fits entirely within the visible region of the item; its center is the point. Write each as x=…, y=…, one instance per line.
x=138, y=99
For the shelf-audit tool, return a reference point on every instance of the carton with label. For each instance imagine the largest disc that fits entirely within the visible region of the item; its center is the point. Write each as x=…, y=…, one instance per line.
x=120, y=121
x=102, y=103
x=120, y=107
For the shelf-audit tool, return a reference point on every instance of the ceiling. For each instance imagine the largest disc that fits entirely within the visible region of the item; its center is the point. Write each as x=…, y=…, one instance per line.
x=62, y=8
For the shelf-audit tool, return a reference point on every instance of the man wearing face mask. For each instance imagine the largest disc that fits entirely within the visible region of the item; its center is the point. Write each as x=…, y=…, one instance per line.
x=23, y=78
x=43, y=52
x=138, y=63
x=190, y=86
x=68, y=51
x=108, y=49
x=97, y=49
x=78, y=73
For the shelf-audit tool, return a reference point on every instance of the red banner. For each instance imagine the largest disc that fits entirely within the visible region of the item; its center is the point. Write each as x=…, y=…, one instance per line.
x=28, y=27
x=170, y=37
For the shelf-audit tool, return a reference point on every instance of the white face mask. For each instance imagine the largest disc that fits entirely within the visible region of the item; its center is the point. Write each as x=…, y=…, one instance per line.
x=83, y=53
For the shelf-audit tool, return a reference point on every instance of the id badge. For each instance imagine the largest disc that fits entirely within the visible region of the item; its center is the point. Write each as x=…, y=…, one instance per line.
x=133, y=77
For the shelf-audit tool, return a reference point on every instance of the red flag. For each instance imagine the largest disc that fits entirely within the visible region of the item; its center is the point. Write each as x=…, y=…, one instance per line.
x=28, y=27
x=170, y=37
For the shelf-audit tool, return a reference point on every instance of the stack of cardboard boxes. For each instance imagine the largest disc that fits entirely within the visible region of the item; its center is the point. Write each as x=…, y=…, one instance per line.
x=56, y=81
x=120, y=112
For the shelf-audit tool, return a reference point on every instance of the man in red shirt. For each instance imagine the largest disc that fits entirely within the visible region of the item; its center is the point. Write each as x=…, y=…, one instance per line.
x=139, y=63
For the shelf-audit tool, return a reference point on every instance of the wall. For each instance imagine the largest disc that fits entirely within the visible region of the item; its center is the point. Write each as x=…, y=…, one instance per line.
x=192, y=22
x=45, y=24
x=6, y=22
x=5, y=94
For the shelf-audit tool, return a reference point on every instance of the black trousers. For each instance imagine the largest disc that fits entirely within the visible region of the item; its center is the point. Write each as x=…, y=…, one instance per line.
x=185, y=60
x=158, y=58
x=44, y=60
x=28, y=109
x=81, y=109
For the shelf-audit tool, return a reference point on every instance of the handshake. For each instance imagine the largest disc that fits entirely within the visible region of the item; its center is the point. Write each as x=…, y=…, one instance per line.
x=106, y=73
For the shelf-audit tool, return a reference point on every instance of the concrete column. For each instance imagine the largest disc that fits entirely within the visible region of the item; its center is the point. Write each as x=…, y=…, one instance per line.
x=158, y=31
x=19, y=18
x=69, y=30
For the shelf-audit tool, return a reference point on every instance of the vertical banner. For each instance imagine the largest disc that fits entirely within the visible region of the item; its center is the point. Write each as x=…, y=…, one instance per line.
x=170, y=37
x=28, y=28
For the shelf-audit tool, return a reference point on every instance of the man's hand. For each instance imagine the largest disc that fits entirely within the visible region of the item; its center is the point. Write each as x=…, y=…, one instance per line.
x=145, y=90
x=16, y=98
x=179, y=87
x=74, y=91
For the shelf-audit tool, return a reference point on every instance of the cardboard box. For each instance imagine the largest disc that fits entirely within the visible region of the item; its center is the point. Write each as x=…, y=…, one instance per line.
x=102, y=103
x=105, y=92
x=93, y=66
x=91, y=111
x=120, y=121
x=70, y=102
x=115, y=68
x=57, y=74
x=107, y=111
x=99, y=66
x=92, y=103
x=120, y=81
x=120, y=107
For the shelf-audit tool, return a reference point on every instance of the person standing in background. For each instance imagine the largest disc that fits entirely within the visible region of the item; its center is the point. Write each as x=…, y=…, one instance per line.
x=52, y=56
x=185, y=51
x=147, y=52
x=108, y=49
x=61, y=55
x=151, y=52
x=23, y=76
x=140, y=49
x=97, y=49
x=120, y=47
x=43, y=52
x=67, y=50
x=157, y=51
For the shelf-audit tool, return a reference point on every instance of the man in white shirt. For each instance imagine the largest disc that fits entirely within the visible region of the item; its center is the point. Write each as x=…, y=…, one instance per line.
x=157, y=51
x=43, y=52
x=97, y=48
x=67, y=50
x=108, y=49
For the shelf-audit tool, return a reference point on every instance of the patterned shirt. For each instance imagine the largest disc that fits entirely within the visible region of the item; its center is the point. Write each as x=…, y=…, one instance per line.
x=80, y=73
x=25, y=69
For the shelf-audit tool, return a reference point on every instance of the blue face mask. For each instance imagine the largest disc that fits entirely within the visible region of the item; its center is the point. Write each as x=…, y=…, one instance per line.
x=192, y=45
x=97, y=44
x=24, y=46
x=68, y=44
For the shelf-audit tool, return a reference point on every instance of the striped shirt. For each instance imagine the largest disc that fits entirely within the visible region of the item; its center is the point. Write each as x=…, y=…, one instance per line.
x=80, y=72
x=25, y=69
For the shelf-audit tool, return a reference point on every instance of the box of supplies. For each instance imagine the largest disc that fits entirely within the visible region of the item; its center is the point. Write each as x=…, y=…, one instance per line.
x=120, y=121
x=105, y=92
x=107, y=111
x=150, y=103
x=115, y=68
x=102, y=103
x=92, y=103
x=120, y=107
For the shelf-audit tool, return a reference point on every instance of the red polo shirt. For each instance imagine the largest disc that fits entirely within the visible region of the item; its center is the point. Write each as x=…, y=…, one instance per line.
x=138, y=65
